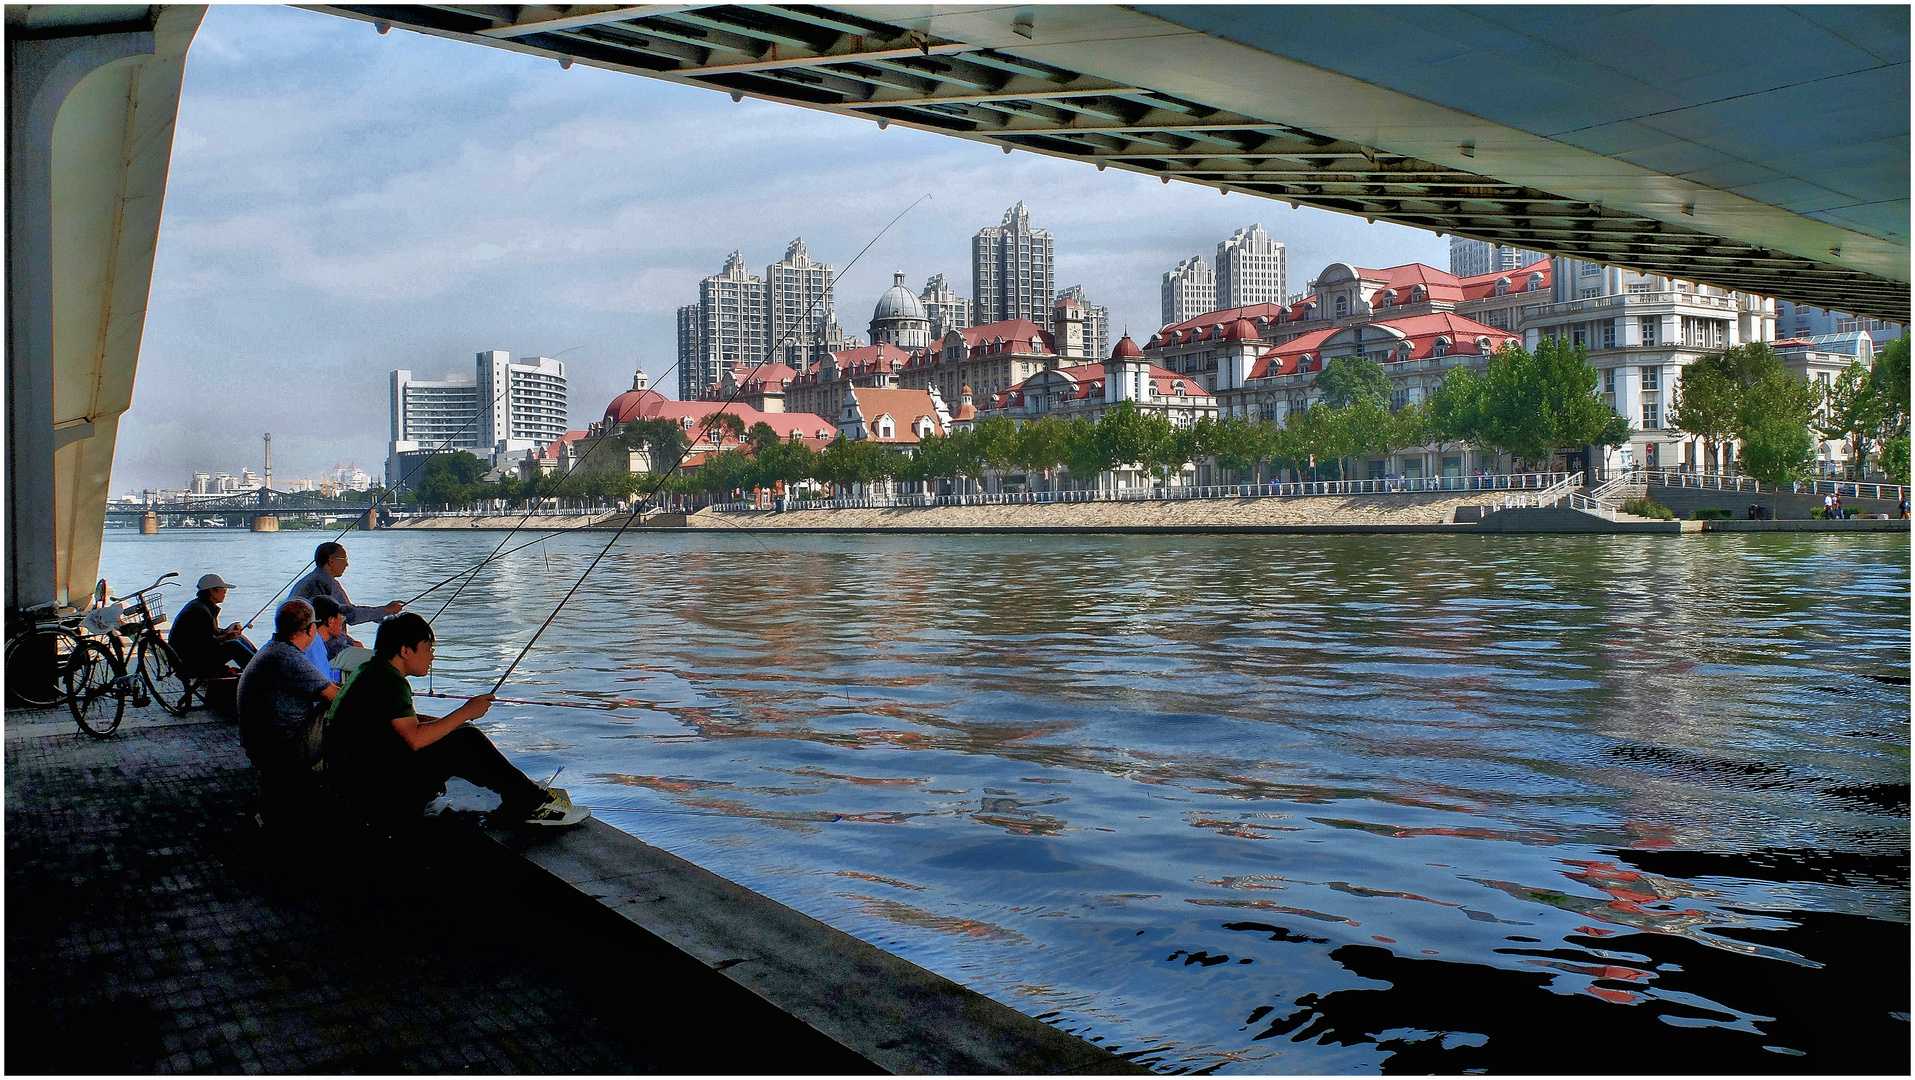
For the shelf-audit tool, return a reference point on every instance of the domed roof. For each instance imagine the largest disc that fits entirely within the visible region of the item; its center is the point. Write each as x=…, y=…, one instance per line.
x=1241, y=330
x=1126, y=347
x=898, y=302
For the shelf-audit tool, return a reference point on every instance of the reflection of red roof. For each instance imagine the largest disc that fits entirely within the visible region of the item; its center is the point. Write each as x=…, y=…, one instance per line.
x=1420, y=331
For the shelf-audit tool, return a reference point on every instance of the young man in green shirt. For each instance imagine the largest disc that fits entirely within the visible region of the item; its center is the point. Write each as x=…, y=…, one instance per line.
x=386, y=758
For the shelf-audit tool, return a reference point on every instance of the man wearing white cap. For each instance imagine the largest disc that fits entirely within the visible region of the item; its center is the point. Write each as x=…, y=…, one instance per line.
x=203, y=648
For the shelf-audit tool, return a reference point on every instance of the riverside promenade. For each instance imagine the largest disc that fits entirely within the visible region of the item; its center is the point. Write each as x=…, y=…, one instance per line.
x=154, y=927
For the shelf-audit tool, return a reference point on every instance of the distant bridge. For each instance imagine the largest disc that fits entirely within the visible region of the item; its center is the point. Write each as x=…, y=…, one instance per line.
x=262, y=501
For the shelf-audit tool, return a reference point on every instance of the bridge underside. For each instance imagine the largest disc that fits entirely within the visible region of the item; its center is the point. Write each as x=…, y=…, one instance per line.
x=1775, y=166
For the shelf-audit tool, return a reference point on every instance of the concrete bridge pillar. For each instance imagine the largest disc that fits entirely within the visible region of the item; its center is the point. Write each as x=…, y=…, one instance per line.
x=149, y=523
x=371, y=520
x=265, y=523
x=92, y=92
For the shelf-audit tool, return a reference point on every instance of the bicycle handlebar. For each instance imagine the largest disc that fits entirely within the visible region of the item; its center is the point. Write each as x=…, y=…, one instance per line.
x=157, y=582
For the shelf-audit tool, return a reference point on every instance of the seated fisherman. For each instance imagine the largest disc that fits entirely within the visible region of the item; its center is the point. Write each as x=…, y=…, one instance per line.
x=387, y=759
x=282, y=701
x=329, y=637
x=329, y=562
x=203, y=648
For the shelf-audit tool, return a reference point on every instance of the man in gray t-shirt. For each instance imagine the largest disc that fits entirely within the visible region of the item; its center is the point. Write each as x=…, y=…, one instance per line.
x=282, y=697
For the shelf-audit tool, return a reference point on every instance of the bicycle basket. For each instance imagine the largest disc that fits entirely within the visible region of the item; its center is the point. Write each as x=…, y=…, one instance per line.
x=104, y=620
x=155, y=609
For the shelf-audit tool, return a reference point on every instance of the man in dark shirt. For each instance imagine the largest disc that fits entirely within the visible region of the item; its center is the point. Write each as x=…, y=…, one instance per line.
x=203, y=648
x=282, y=700
x=387, y=759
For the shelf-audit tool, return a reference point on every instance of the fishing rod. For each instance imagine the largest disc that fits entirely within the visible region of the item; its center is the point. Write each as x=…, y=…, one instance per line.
x=420, y=464
x=474, y=572
x=682, y=453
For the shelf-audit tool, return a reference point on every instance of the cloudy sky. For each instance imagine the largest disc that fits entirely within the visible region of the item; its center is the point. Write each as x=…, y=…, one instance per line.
x=342, y=204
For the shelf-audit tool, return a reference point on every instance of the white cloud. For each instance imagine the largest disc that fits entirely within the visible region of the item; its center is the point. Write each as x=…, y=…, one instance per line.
x=341, y=204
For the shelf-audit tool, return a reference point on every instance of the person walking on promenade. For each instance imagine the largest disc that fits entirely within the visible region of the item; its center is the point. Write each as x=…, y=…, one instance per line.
x=390, y=761
x=1828, y=506
x=329, y=637
x=203, y=647
x=282, y=700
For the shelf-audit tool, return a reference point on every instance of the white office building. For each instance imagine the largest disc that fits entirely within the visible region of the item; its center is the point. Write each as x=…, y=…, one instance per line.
x=1250, y=270
x=1190, y=289
x=500, y=411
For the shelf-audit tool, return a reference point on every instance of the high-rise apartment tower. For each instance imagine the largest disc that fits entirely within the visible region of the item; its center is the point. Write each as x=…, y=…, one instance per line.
x=1250, y=270
x=1012, y=273
x=1190, y=290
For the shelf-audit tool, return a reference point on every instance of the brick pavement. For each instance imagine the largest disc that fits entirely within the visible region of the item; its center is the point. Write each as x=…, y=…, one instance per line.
x=152, y=927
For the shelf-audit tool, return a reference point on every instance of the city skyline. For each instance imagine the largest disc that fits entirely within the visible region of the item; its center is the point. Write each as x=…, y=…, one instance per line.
x=343, y=204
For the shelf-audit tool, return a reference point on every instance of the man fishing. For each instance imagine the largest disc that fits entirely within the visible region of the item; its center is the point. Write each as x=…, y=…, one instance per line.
x=388, y=760
x=281, y=698
x=204, y=648
x=329, y=564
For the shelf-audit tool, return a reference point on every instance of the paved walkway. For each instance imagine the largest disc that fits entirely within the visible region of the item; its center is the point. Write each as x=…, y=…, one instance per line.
x=153, y=927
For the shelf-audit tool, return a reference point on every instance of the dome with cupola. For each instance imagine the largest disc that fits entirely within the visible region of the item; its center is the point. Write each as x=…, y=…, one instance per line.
x=899, y=318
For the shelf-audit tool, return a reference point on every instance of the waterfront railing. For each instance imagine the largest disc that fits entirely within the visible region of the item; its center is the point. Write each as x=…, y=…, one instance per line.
x=1848, y=489
x=1515, y=489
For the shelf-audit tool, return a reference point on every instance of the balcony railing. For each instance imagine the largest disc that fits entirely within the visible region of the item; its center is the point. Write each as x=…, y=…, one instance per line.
x=1627, y=300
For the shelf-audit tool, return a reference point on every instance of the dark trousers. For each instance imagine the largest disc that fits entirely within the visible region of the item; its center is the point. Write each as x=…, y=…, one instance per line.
x=467, y=754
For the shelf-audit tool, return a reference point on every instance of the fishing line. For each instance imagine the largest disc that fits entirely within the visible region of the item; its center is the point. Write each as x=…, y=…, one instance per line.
x=481, y=564
x=682, y=454
x=420, y=464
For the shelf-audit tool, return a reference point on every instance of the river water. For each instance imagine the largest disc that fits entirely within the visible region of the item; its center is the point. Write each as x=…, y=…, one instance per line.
x=1246, y=804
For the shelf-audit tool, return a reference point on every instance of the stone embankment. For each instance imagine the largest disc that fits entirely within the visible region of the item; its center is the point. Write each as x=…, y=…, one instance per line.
x=1315, y=513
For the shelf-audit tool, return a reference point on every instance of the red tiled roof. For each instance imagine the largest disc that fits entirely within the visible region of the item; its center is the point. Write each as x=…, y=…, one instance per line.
x=551, y=450
x=1018, y=332
x=1478, y=286
x=904, y=408
x=1421, y=331
x=1226, y=317
x=650, y=404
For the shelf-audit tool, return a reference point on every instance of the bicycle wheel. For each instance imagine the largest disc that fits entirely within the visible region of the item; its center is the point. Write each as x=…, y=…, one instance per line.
x=96, y=689
x=160, y=669
x=36, y=661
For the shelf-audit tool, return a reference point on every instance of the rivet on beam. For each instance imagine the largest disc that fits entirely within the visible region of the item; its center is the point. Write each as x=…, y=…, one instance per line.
x=1165, y=177
x=565, y=65
x=737, y=95
x=382, y=27
x=1007, y=148
x=883, y=123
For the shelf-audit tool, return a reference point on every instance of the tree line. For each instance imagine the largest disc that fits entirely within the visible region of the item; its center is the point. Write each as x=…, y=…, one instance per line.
x=1744, y=394
x=1526, y=407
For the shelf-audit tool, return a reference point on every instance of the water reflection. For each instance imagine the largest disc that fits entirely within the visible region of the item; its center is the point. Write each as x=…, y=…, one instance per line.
x=1254, y=804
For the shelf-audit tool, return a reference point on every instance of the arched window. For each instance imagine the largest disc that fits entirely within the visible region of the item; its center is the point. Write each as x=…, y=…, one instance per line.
x=1483, y=346
x=1502, y=286
x=1388, y=297
x=1343, y=306
x=1417, y=293
x=1535, y=282
x=1404, y=351
x=1441, y=348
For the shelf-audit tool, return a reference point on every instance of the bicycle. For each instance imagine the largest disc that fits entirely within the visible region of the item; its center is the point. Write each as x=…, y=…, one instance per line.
x=40, y=651
x=100, y=682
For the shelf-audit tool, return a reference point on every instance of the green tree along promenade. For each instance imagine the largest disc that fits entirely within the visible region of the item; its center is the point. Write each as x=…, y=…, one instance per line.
x=1530, y=407
x=1744, y=394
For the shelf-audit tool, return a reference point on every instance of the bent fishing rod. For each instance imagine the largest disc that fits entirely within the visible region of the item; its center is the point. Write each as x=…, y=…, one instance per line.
x=683, y=453
x=390, y=492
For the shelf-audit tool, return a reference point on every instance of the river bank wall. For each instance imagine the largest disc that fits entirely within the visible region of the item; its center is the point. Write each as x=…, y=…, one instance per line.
x=1423, y=512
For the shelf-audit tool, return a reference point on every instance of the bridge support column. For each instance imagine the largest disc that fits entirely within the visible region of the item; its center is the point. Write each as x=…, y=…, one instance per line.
x=91, y=97
x=149, y=523
x=371, y=520
x=265, y=523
